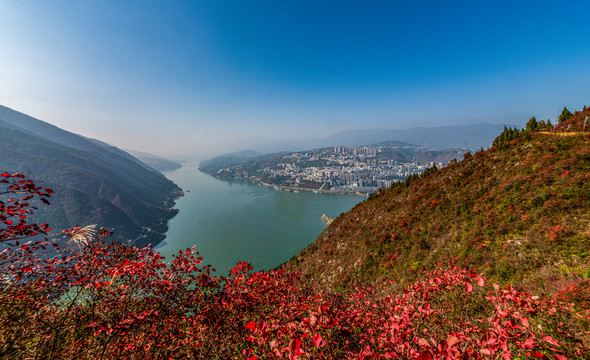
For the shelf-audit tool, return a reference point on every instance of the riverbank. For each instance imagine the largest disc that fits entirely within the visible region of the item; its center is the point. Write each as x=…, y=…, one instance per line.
x=156, y=233
x=295, y=188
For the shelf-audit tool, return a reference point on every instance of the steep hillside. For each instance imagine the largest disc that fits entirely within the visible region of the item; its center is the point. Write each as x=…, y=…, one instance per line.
x=578, y=122
x=519, y=212
x=95, y=183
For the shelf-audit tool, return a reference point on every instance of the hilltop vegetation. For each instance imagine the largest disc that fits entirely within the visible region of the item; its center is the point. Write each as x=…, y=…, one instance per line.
x=518, y=212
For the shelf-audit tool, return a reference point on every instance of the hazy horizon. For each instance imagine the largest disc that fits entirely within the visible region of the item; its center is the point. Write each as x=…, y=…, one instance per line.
x=178, y=77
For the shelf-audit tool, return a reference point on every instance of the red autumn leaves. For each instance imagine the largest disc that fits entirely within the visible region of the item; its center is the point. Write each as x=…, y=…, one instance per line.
x=107, y=300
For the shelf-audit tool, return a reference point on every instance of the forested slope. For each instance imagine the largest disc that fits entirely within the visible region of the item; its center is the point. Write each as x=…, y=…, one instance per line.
x=518, y=211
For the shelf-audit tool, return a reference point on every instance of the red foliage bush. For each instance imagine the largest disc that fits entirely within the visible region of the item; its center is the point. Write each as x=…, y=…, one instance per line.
x=107, y=300
x=577, y=292
x=14, y=212
x=558, y=232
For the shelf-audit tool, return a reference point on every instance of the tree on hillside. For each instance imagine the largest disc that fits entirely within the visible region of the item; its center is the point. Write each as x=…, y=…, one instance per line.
x=565, y=115
x=532, y=124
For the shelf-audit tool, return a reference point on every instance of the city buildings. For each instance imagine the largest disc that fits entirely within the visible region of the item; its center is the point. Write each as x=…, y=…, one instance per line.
x=337, y=169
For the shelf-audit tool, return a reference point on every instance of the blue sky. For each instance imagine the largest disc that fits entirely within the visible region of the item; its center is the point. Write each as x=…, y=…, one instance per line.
x=172, y=77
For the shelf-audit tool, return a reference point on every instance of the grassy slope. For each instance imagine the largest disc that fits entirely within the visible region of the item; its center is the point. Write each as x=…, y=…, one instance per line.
x=519, y=212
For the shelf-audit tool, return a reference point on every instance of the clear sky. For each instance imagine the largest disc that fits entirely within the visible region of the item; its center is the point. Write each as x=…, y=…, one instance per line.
x=171, y=77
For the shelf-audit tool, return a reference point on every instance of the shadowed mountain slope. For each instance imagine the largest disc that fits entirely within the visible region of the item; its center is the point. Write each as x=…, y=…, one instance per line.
x=94, y=183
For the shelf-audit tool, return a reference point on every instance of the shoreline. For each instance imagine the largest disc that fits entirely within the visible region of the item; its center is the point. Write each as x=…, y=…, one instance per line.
x=155, y=234
x=293, y=188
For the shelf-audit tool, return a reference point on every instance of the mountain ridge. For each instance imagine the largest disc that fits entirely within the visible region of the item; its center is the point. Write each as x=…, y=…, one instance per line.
x=155, y=162
x=471, y=136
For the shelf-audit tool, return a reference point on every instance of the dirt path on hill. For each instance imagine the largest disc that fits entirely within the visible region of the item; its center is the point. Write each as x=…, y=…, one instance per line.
x=564, y=133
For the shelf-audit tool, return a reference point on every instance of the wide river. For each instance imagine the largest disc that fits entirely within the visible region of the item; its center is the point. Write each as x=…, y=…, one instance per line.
x=235, y=221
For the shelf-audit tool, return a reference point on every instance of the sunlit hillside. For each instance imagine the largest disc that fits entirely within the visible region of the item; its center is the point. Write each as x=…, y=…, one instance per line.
x=518, y=212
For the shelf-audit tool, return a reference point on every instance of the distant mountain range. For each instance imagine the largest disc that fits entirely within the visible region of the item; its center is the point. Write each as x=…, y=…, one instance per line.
x=94, y=183
x=154, y=161
x=472, y=137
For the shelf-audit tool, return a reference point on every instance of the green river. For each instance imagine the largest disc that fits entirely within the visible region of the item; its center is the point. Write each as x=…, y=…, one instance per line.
x=230, y=222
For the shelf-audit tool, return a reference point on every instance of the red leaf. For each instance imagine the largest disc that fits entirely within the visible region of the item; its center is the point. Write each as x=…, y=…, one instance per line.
x=423, y=342
x=251, y=325
x=452, y=340
x=551, y=340
x=426, y=355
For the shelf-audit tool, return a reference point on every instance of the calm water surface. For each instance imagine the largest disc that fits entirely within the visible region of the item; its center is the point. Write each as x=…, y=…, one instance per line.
x=231, y=222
